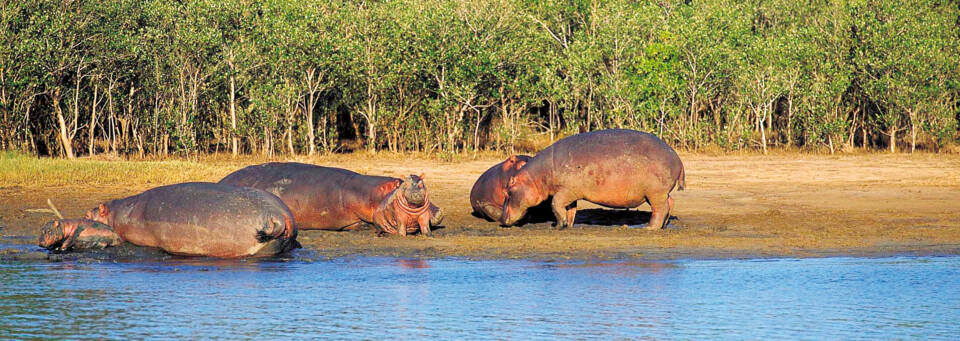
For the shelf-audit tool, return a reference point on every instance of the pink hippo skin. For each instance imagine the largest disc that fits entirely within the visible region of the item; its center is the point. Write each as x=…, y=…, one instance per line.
x=615, y=168
x=490, y=191
x=203, y=219
x=326, y=198
x=76, y=234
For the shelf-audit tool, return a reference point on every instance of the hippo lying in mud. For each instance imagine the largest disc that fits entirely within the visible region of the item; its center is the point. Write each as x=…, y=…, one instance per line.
x=325, y=198
x=203, y=219
x=490, y=190
x=76, y=234
x=614, y=168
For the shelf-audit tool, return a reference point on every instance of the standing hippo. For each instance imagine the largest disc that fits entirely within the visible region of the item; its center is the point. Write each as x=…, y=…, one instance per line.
x=490, y=190
x=325, y=198
x=76, y=234
x=203, y=219
x=614, y=168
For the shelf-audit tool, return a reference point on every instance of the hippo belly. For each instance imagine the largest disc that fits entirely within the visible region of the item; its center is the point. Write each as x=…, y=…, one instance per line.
x=624, y=182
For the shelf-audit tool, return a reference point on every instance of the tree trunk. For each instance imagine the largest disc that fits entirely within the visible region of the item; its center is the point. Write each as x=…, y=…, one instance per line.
x=93, y=118
x=371, y=125
x=763, y=138
x=913, y=137
x=233, y=114
x=64, y=136
x=289, y=136
x=893, y=138
x=789, y=130
x=311, y=136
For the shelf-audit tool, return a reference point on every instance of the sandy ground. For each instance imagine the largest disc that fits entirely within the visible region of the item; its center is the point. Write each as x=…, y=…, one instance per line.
x=735, y=206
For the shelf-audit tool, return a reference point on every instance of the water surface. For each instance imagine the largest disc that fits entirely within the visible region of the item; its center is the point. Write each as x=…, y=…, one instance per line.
x=365, y=298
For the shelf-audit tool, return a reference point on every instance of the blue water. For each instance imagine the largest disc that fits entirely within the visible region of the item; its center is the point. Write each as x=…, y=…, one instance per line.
x=373, y=298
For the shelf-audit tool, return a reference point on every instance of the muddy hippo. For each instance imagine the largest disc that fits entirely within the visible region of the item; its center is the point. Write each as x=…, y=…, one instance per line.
x=490, y=190
x=326, y=198
x=76, y=234
x=615, y=168
x=203, y=219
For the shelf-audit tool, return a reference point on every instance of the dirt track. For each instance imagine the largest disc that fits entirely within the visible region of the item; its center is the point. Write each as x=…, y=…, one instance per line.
x=734, y=206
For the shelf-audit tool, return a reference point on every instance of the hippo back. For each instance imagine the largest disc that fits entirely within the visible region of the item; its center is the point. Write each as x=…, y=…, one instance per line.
x=601, y=154
x=206, y=219
x=319, y=197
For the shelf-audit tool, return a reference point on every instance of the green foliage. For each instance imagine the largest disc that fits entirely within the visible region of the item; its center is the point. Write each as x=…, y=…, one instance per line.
x=154, y=77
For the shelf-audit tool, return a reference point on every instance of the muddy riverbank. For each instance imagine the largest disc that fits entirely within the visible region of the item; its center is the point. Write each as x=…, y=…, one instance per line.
x=735, y=206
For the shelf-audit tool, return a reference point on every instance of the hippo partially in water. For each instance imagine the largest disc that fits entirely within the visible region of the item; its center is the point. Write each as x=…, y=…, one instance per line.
x=203, y=219
x=615, y=168
x=76, y=234
x=490, y=190
x=326, y=198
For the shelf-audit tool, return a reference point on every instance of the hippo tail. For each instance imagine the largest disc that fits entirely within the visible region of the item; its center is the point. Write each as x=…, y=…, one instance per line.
x=682, y=181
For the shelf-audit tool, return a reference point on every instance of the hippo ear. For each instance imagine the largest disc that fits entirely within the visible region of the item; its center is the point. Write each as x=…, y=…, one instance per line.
x=102, y=210
x=520, y=164
x=512, y=158
x=56, y=223
x=423, y=176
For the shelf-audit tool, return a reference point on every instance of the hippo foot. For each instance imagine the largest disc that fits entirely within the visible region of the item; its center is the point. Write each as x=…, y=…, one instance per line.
x=649, y=227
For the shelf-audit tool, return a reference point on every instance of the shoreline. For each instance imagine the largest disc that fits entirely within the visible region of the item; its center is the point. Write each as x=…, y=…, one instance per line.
x=735, y=206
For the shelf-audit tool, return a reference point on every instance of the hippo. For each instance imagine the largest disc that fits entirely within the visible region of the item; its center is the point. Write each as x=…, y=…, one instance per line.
x=203, y=219
x=490, y=190
x=76, y=234
x=326, y=198
x=616, y=168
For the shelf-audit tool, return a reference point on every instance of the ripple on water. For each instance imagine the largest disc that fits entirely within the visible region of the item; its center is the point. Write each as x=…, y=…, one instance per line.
x=890, y=298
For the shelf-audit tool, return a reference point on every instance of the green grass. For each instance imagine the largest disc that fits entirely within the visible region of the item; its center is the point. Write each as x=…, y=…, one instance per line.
x=23, y=170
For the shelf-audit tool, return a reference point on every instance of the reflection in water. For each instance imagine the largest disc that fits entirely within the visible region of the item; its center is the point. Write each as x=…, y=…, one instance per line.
x=413, y=263
x=895, y=298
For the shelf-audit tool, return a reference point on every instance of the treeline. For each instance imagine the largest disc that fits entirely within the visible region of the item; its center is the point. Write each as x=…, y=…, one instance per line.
x=302, y=77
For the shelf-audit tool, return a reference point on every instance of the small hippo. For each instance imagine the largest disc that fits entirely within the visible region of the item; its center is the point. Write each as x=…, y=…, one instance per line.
x=203, y=219
x=490, y=190
x=614, y=168
x=76, y=234
x=326, y=198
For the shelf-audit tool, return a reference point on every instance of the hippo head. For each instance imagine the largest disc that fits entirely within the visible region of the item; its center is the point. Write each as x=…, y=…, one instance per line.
x=413, y=190
x=98, y=214
x=510, y=164
x=58, y=235
x=523, y=192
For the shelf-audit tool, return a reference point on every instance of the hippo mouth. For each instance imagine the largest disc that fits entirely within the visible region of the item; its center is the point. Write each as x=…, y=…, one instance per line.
x=410, y=209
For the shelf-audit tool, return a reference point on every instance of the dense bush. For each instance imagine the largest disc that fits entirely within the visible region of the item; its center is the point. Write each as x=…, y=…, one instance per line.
x=285, y=76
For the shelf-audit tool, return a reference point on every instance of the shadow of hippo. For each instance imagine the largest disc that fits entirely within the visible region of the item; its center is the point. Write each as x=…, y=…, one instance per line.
x=616, y=217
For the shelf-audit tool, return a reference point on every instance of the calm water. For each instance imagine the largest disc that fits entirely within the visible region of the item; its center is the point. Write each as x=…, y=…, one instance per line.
x=371, y=298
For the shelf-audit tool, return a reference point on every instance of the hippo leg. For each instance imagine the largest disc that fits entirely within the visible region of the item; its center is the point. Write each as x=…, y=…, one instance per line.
x=660, y=207
x=424, y=222
x=670, y=210
x=562, y=201
x=572, y=213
